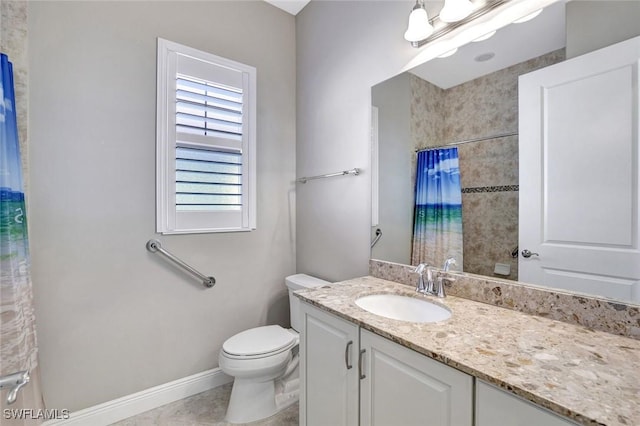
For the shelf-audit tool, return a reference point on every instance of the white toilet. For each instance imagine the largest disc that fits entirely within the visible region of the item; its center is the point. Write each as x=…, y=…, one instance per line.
x=264, y=363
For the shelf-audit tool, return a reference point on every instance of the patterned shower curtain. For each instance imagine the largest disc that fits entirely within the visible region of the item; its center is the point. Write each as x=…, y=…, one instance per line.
x=437, y=225
x=18, y=349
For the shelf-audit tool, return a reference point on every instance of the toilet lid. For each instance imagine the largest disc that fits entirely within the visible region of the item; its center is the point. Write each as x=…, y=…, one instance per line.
x=259, y=340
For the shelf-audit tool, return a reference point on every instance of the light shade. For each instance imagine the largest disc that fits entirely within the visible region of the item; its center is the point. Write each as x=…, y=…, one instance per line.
x=419, y=27
x=455, y=10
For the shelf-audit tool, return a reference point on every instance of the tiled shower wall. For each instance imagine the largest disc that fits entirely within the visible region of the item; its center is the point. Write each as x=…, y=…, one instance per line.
x=481, y=108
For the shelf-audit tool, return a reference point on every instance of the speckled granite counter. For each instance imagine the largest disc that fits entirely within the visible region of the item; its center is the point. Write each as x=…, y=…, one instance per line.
x=589, y=376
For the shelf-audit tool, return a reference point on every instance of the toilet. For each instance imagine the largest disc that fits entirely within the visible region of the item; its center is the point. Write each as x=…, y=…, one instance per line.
x=264, y=362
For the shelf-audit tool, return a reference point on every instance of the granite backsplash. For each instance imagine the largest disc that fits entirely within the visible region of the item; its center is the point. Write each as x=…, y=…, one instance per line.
x=589, y=311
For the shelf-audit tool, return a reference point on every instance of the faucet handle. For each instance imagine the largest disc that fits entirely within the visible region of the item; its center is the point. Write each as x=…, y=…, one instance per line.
x=421, y=288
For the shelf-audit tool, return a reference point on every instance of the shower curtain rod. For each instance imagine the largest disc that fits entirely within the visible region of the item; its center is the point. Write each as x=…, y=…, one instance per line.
x=484, y=138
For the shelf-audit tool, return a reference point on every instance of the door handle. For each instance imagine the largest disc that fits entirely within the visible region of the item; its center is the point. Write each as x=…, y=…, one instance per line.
x=527, y=253
x=346, y=355
x=362, y=376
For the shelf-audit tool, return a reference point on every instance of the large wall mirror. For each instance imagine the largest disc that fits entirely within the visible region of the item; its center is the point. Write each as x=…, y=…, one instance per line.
x=468, y=101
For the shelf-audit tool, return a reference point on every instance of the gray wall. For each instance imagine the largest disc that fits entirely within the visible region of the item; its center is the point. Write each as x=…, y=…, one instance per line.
x=112, y=318
x=395, y=150
x=343, y=48
x=593, y=24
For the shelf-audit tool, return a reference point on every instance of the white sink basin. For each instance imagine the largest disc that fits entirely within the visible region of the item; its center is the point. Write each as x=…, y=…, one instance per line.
x=403, y=308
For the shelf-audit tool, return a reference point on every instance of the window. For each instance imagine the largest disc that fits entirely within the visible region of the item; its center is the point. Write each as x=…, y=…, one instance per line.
x=205, y=141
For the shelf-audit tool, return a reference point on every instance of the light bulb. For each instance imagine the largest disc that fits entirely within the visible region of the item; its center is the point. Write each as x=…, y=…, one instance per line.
x=419, y=27
x=455, y=10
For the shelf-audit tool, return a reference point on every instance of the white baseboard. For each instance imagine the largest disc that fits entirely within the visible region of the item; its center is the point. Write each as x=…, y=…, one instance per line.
x=130, y=405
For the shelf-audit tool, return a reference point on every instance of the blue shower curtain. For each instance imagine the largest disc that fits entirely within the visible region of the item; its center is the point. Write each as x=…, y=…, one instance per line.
x=437, y=231
x=18, y=349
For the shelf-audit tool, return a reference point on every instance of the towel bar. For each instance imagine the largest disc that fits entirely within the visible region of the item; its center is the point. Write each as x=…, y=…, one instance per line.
x=354, y=172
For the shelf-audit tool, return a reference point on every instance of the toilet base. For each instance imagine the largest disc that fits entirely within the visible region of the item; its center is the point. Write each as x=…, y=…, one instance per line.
x=251, y=401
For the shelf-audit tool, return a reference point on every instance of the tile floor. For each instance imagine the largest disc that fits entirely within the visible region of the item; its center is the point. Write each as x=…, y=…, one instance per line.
x=206, y=408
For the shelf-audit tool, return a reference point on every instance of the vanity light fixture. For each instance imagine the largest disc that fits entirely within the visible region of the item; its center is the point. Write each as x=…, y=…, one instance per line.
x=455, y=13
x=486, y=17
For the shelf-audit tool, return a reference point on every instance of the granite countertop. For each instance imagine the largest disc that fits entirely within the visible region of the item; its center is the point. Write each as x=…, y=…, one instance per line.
x=591, y=377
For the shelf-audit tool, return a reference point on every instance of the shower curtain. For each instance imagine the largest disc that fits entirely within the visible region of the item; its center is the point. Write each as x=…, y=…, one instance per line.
x=437, y=226
x=18, y=349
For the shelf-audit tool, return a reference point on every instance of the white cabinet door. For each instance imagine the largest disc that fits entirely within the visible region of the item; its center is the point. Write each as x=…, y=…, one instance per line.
x=496, y=407
x=403, y=387
x=579, y=173
x=328, y=369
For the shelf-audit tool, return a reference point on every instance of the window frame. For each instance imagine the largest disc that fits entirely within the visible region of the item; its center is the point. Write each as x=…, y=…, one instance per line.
x=168, y=219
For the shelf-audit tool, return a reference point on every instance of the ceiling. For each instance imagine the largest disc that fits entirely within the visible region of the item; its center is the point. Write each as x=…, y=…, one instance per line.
x=512, y=44
x=291, y=6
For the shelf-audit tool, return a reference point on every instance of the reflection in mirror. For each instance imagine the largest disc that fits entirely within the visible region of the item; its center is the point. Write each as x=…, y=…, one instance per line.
x=577, y=228
x=468, y=101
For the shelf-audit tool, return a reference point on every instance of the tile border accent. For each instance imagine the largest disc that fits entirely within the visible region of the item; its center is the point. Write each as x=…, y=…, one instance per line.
x=501, y=188
x=148, y=399
x=573, y=308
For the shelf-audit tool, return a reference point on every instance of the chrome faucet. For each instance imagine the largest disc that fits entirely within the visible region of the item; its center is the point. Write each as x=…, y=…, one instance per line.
x=15, y=381
x=447, y=263
x=423, y=288
x=439, y=288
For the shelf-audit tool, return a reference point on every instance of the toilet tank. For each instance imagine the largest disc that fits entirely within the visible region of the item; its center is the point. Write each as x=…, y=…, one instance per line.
x=298, y=282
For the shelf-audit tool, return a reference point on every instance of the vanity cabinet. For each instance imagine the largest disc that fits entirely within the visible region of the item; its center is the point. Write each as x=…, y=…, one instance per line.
x=345, y=370
x=399, y=386
x=497, y=407
x=328, y=369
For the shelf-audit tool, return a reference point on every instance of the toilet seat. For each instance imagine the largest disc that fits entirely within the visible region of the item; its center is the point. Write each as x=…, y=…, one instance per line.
x=259, y=342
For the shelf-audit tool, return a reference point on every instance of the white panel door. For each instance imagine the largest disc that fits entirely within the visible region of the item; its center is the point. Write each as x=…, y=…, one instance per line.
x=399, y=386
x=579, y=156
x=328, y=370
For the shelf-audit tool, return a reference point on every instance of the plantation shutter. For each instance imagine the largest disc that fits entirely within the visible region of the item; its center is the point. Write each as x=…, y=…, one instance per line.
x=211, y=170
